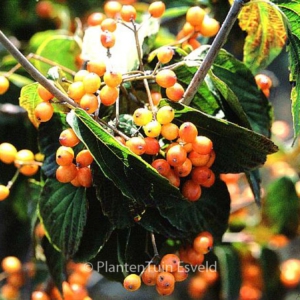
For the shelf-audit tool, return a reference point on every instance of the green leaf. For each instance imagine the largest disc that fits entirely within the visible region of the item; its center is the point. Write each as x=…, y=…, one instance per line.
x=62, y=209
x=55, y=262
x=254, y=180
x=238, y=149
x=126, y=169
x=91, y=243
x=291, y=10
x=282, y=206
x=174, y=12
x=68, y=49
x=230, y=272
x=269, y=262
x=266, y=34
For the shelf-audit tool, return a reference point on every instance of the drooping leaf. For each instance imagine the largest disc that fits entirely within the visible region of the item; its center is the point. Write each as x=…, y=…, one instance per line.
x=68, y=50
x=230, y=273
x=266, y=34
x=125, y=170
x=62, y=209
x=91, y=243
x=282, y=206
x=238, y=149
x=291, y=10
x=254, y=180
x=55, y=263
x=238, y=79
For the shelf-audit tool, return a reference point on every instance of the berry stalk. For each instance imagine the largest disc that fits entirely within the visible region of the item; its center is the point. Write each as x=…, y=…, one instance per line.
x=212, y=53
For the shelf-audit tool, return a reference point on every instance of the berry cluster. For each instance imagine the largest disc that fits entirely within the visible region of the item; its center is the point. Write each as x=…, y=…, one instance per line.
x=24, y=160
x=194, y=254
x=162, y=276
x=73, y=168
x=198, y=23
x=185, y=157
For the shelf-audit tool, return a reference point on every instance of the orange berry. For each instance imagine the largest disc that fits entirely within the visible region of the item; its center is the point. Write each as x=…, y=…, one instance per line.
x=181, y=274
x=84, y=177
x=197, y=287
x=263, y=81
x=9, y=292
x=191, y=190
x=203, y=175
x=152, y=129
x=24, y=160
x=165, y=54
x=128, y=13
x=11, y=264
x=169, y=131
x=96, y=66
x=66, y=174
x=162, y=166
x=198, y=160
x=43, y=111
x=91, y=83
x=112, y=79
x=64, y=156
x=132, y=282
x=4, y=84
x=76, y=90
x=202, y=145
x=79, y=76
x=188, y=132
x=209, y=27
x=39, y=295
x=157, y=9
x=8, y=153
x=68, y=138
x=202, y=244
x=84, y=158
x=95, y=19
x=176, y=155
x=166, y=78
x=112, y=8
x=170, y=262
x=150, y=274
x=173, y=178
x=44, y=93
x=152, y=145
x=184, y=169
x=137, y=145
x=109, y=95
x=89, y=102
x=156, y=97
x=4, y=192
x=109, y=24
x=107, y=39
x=195, y=15
x=175, y=92
x=165, y=283
x=194, y=258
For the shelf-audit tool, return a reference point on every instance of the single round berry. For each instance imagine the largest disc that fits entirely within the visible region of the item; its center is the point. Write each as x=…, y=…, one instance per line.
x=84, y=158
x=4, y=192
x=165, y=54
x=152, y=129
x=137, y=145
x=89, y=102
x=79, y=76
x=175, y=92
x=39, y=295
x=112, y=79
x=195, y=15
x=203, y=243
x=162, y=166
x=84, y=176
x=96, y=66
x=176, y=155
x=263, y=81
x=68, y=138
x=152, y=146
x=166, y=78
x=170, y=262
x=150, y=274
x=107, y=39
x=109, y=24
x=209, y=27
x=184, y=169
x=44, y=9
x=202, y=145
x=4, y=85
x=44, y=93
x=76, y=90
x=142, y=116
x=91, y=83
x=112, y=8
x=181, y=274
x=188, y=132
x=132, y=282
x=165, y=283
x=66, y=174
x=203, y=176
x=108, y=95
x=157, y=9
x=170, y=131
x=165, y=114
x=44, y=111
x=7, y=153
x=173, y=178
x=197, y=159
x=128, y=13
x=191, y=190
x=156, y=97
x=11, y=264
x=95, y=19
x=24, y=160
x=64, y=156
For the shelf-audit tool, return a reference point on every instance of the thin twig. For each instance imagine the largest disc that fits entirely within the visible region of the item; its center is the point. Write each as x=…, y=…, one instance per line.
x=212, y=53
x=33, y=72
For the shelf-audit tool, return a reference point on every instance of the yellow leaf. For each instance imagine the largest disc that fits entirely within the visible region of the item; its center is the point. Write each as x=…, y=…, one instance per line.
x=266, y=33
